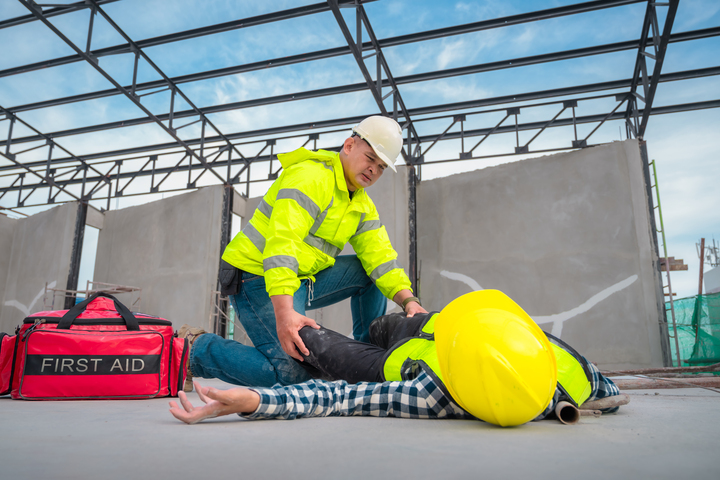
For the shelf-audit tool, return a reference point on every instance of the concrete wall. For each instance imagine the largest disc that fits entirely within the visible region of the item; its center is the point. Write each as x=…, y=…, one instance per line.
x=566, y=236
x=35, y=250
x=7, y=232
x=170, y=249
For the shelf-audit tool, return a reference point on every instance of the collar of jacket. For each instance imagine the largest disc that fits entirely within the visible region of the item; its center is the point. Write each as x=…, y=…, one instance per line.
x=331, y=159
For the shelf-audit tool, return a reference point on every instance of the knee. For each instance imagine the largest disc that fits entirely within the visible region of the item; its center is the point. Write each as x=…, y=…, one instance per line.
x=291, y=373
x=378, y=331
x=314, y=339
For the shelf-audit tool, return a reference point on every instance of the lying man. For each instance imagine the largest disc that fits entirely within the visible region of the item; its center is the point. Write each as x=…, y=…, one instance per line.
x=492, y=363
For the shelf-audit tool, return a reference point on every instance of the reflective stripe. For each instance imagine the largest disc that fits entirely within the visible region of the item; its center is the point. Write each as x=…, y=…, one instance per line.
x=367, y=226
x=255, y=237
x=384, y=268
x=303, y=200
x=323, y=245
x=265, y=208
x=319, y=220
x=279, y=261
x=329, y=167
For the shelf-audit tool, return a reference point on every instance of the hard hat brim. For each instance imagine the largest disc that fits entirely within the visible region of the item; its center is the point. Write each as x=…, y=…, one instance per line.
x=384, y=158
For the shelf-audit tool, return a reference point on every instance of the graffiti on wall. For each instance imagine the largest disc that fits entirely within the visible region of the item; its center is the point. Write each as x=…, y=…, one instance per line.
x=557, y=320
x=28, y=309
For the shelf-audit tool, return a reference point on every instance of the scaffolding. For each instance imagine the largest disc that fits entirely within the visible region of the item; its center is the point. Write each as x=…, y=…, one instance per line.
x=224, y=319
x=666, y=265
x=52, y=295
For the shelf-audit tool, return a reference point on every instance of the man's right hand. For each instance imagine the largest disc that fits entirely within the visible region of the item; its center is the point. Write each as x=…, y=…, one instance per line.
x=289, y=323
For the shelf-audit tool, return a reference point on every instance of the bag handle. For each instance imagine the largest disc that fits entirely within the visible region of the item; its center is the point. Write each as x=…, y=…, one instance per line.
x=67, y=320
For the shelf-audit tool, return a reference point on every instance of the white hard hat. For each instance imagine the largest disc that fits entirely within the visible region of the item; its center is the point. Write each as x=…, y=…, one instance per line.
x=384, y=136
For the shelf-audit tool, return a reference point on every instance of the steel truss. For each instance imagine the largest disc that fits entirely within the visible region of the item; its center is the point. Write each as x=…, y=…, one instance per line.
x=207, y=153
x=216, y=157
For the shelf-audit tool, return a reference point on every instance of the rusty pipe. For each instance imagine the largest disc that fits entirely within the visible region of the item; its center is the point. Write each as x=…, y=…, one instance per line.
x=607, y=402
x=567, y=413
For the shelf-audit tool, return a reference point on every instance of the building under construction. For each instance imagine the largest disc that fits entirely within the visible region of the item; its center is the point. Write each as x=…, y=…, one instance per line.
x=150, y=145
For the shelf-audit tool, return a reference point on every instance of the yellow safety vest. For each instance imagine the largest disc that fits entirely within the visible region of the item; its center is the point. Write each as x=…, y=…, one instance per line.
x=404, y=360
x=304, y=221
x=574, y=377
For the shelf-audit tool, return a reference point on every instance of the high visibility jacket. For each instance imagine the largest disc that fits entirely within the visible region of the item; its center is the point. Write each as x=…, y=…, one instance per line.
x=408, y=356
x=304, y=221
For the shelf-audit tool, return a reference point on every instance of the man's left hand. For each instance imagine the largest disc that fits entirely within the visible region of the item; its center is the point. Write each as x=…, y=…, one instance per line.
x=412, y=308
x=217, y=403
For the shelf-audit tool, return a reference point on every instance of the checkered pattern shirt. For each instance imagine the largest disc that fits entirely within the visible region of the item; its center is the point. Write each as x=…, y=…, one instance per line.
x=421, y=397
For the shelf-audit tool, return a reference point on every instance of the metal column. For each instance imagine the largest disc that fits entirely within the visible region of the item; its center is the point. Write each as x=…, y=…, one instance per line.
x=76, y=255
x=225, y=234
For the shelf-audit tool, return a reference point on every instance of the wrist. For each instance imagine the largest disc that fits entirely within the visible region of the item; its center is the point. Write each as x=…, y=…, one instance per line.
x=409, y=300
x=282, y=304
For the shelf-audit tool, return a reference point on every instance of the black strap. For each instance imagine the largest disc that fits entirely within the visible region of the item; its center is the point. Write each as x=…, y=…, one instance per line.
x=67, y=320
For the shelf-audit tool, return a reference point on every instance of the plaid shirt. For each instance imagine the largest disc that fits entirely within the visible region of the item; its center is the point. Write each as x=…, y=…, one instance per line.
x=421, y=397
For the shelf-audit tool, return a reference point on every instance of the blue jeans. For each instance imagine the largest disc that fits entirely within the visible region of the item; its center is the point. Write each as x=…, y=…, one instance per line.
x=266, y=364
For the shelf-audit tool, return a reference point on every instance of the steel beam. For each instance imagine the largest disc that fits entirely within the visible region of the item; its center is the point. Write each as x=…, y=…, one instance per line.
x=640, y=75
x=184, y=35
x=293, y=59
x=51, y=12
x=293, y=129
x=175, y=91
x=321, y=7
x=505, y=99
x=376, y=85
x=38, y=12
x=482, y=132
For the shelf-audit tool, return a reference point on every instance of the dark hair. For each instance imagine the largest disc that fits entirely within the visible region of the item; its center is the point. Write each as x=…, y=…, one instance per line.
x=355, y=134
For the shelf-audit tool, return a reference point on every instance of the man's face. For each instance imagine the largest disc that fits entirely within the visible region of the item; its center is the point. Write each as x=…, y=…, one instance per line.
x=361, y=165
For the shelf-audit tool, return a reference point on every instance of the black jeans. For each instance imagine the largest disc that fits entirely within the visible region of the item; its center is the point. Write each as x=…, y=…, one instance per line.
x=334, y=356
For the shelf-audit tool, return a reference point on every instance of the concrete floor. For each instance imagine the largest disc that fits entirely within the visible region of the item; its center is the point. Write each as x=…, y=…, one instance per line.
x=661, y=434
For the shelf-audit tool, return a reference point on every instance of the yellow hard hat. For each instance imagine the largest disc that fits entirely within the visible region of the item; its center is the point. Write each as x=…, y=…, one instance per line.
x=495, y=361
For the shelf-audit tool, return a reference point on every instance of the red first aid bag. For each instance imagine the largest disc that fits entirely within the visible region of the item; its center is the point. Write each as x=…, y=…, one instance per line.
x=96, y=350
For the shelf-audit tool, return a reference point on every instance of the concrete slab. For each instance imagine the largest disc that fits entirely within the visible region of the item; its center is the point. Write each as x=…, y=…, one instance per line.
x=663, y=434
x=39, y=254
x=170, y=248
x=567, y=236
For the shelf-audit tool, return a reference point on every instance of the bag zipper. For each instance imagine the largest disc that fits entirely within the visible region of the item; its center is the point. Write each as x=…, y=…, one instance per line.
x=100, y=321
x=27, y=332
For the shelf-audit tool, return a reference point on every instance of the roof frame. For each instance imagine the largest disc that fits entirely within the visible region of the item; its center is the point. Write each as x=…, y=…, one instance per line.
x=216, y=151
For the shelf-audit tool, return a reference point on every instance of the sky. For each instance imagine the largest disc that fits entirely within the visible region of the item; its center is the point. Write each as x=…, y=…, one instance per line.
x=684, y=146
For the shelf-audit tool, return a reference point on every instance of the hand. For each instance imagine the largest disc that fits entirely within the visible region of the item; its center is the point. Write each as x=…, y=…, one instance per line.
x=412, y=308
x=288, y=326
x=217, y=403
x=289, y=323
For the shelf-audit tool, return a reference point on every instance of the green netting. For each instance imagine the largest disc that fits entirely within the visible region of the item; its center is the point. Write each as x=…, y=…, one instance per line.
x=698, y=329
